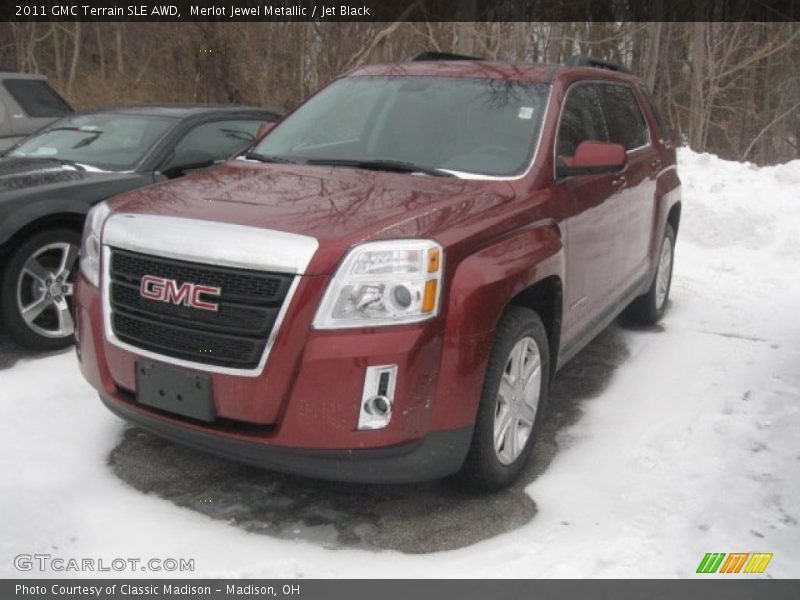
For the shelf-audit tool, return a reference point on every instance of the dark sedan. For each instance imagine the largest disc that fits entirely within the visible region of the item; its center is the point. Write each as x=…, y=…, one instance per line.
x=50, y=180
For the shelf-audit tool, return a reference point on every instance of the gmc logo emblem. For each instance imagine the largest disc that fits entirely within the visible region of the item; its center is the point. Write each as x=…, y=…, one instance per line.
x=188, y=294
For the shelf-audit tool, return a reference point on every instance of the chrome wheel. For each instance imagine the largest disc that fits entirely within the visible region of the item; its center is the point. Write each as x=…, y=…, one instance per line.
x=664, y=272
x=44, y=290
x=517, y=400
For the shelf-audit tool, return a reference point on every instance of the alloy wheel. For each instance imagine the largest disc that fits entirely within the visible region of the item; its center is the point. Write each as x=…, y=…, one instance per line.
x=517, y=400
x=44, y=290
x=664, y=272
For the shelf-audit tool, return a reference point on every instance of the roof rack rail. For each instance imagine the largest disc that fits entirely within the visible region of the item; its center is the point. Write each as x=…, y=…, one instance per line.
x=598, y=63
x=427, y=56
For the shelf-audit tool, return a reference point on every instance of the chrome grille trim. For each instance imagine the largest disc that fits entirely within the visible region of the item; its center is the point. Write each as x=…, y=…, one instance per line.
x=191, y=240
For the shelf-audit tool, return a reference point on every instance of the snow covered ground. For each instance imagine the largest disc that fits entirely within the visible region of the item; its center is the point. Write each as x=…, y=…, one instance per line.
x=693, y=446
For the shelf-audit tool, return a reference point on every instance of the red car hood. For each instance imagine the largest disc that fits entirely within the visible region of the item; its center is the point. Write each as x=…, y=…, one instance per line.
x=337, y=206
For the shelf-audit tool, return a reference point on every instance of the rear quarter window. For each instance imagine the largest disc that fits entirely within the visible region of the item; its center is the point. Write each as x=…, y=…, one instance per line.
x=37, y=98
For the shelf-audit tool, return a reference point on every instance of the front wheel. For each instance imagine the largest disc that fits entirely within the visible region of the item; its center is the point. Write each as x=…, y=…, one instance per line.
x=514, y=393
x=648, y=308
x=36, y=298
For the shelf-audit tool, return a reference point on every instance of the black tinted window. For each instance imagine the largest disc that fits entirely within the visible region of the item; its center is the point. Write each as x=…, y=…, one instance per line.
x=37, y=98
x=581, y=120
x=216, y=140
x=626, y=124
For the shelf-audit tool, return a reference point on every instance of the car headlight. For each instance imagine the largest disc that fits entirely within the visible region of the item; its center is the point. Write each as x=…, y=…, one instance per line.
x=384, y=283
x=90, y=245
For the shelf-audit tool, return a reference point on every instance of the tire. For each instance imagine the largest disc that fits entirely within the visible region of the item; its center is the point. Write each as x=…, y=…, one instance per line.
x=494, y=466
x=648, y=308
x=31, y=280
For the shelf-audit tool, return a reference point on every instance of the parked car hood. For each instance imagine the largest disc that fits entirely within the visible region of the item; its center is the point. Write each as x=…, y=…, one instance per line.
x=336, y=205
x=20, y=173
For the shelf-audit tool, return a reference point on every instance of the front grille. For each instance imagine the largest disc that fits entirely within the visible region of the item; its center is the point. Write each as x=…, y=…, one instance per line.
x=235, y=336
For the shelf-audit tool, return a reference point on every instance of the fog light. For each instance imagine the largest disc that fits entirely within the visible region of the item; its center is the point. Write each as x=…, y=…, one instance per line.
x=377, y=397
x=378, y=405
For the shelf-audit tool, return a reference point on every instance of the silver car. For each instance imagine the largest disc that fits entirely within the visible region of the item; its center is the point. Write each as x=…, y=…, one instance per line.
x=27, y=103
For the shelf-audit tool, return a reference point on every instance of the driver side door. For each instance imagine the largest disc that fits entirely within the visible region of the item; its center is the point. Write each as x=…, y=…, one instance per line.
x=595, y=231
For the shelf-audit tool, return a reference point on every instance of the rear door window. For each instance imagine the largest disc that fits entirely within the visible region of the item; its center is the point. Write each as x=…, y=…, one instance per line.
x=581, y=120
x=37, y=98
x=626, y=124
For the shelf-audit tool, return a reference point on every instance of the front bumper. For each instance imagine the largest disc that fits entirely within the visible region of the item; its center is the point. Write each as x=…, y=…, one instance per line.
x=437, y=455
x=301, y=414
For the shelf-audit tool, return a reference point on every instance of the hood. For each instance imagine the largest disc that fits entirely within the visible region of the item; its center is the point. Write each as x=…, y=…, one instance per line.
x=338, y=206
x=20, y=173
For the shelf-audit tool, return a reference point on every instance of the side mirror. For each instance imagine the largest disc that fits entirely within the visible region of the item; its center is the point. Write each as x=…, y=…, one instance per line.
x=594, y=158
x=178, y=165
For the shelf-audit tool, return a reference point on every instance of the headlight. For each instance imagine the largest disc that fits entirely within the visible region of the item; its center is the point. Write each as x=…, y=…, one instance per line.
x=90, y=245
x=384, y=283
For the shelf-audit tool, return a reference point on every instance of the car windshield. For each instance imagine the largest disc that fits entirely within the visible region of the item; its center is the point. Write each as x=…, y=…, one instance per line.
x=107, y=141
x=462, y=126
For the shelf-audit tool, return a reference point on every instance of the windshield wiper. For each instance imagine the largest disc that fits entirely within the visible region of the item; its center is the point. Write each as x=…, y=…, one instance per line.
x=78, y=129
x=71, y=163
x=397, y=166
x=64, y=162
x=268, y=158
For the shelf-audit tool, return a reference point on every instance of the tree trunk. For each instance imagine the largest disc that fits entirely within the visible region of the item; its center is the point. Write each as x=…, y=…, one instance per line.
x=76, y=53
x=101, y=49
x=118, y=42
x=553, y=52
x=699, y=58
x=651, y=61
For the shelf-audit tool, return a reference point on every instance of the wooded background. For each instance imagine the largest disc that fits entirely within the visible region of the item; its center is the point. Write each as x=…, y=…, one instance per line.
x=728, y=88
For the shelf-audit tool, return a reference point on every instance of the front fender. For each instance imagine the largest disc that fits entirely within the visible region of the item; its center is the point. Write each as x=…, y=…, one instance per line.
x=668, y=194
x=14, y=219
x=481, y=288
x=22, y=207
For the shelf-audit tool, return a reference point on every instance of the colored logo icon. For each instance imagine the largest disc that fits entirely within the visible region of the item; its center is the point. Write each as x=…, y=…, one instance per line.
x=736, y=562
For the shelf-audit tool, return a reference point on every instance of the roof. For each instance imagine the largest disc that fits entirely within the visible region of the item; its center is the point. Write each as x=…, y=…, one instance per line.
x=180, y=111
x=10, y=74
x=533, y=73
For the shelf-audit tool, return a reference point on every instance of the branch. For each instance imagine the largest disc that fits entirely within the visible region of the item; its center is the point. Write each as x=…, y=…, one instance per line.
x=757, y=56
x=362, y=54
x=770, y=124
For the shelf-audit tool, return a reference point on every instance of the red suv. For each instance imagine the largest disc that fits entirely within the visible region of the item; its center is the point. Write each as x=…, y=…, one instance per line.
x=382, y=288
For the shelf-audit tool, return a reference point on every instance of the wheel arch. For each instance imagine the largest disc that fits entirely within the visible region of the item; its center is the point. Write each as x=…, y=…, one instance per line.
x=525, y=268
x=546, y=298
x=67, y=220
x=674, y=216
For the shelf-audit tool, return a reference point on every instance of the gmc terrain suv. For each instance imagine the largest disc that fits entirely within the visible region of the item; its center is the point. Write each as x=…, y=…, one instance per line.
x=383, y=287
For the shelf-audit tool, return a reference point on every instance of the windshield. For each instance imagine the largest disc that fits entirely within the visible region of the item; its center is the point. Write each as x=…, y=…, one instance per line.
x=108, y=141
x=460, y=125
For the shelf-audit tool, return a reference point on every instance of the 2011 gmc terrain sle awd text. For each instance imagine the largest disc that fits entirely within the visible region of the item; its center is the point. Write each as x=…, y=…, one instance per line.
x=381, y=289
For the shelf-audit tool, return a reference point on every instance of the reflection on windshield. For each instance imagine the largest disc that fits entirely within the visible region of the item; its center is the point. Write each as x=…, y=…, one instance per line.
x=462, y=125
x=105, y=141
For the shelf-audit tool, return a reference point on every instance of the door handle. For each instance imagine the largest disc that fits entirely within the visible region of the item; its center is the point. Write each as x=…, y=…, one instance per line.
x=618, y=181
